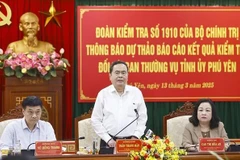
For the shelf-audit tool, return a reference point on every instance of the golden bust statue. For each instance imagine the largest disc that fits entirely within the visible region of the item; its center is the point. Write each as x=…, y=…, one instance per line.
x=29, y=25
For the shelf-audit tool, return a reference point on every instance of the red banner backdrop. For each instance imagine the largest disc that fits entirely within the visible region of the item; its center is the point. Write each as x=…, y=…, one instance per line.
x=60, y=37
x=174, y=53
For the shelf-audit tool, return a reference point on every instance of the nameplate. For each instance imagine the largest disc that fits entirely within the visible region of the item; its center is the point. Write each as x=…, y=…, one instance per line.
x=211, y=144
x=48, y=148
x=127, y=145
x=69, y=147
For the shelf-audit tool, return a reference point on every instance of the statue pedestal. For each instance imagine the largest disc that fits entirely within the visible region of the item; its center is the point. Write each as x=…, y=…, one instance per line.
x=50, y=92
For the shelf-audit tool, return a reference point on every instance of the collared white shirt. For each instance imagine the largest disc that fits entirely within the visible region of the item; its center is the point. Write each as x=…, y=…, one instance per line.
x=112, y=112
x=18, y=130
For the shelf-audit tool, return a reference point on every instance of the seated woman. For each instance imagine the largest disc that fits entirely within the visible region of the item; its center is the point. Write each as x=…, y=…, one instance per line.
x=204, y=122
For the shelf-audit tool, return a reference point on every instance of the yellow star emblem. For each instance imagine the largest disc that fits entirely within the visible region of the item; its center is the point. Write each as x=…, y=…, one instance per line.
x=52, y=13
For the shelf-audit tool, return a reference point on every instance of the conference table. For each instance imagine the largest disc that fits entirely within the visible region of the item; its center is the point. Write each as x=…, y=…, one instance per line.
x=190, y=156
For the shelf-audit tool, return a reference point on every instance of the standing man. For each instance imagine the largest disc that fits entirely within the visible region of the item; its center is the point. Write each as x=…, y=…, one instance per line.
x=29, y=25
x=117, y=106
x=30, y=128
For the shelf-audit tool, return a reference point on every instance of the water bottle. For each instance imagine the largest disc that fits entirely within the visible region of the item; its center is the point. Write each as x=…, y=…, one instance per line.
x=95, y=145
x=17, y=147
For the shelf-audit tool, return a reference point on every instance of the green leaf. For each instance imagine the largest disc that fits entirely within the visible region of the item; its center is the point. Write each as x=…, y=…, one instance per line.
x=18, y=68
x=47, y=76
x=53, y=73
x=1, y=65
x=66, y=61
x=19, y=74
x=4, y=56
x=40, y=56
x=8, y=71
x=32, y=72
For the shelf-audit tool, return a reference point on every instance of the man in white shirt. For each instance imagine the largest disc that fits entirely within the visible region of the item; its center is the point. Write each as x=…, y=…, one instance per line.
x=117, y=106
x=30, y=128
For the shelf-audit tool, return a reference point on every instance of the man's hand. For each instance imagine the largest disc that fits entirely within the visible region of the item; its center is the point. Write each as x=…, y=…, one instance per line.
x=111, y=143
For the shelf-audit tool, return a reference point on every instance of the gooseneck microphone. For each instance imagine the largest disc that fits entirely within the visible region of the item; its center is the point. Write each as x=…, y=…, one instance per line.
x=28, y=151
x=136, y=112
x=128, y=124
x=29, y=146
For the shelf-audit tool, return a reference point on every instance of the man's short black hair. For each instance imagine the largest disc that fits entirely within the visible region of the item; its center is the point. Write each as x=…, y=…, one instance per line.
x=117, y=62
x=31, y=101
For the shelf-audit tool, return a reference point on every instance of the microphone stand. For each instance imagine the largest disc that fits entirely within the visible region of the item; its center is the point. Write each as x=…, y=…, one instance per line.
x=28, y=151
x=128, y=124
x=29, y=146
x=110, y=150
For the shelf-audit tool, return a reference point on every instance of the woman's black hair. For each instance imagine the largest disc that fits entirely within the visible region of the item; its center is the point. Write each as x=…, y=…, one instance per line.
x=214, y=122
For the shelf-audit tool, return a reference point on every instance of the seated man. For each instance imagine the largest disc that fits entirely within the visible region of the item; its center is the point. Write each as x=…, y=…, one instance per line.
x=30, y=128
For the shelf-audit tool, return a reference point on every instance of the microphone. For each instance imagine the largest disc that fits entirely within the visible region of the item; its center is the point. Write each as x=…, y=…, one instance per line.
x=29, y=146
x=232, y=141
x=128, y=124
x=233, y=145
x=110, y=150
x=136, y=112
